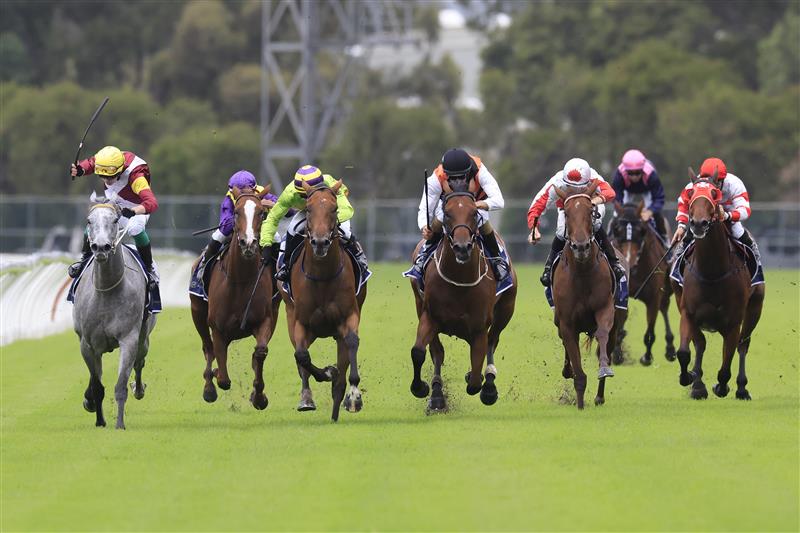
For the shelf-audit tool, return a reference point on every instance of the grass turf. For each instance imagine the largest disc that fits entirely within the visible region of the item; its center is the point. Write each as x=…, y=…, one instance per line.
x=649, y=459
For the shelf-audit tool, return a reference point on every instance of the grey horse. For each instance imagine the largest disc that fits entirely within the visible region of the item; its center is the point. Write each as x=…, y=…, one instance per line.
x=109, y=312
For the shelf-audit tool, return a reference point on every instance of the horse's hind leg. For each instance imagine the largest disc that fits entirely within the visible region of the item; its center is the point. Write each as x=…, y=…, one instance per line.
x=751, y=316
x=303, y=358
x=687, y=333
x=144, y=346
x=477, y=354
x=437, y=401
x=221, y=355
x=699, y=391
x=353, y=401
x=730, y=339
x=502, y=317
x=96, y=390
x=128, y=349
x=570, y=340
x=200, y=319
x=650, y=333
x=263, y=334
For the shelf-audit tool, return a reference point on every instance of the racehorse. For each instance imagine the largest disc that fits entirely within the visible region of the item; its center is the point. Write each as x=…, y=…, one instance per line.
x=716, y=294
x=643, y=249
x=323, y=302
x=460, y=300
x=109, y=311
x=234, y=278
x=583, y=293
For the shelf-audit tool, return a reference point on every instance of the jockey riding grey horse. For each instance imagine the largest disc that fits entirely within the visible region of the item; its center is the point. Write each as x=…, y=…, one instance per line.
x=109, y=311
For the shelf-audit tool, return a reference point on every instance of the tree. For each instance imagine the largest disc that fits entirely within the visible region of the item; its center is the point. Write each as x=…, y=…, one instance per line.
x=779, y=54
x=240, y=93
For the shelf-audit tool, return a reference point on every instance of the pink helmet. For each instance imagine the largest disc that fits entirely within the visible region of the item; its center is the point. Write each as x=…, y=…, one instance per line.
x=633, y=160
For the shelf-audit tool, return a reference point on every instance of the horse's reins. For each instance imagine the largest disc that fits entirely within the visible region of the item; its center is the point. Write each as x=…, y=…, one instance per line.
x=437, y=259
x=334, y=234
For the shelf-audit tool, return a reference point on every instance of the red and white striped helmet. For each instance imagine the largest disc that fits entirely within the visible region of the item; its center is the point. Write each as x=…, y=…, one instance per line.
x=577, y=172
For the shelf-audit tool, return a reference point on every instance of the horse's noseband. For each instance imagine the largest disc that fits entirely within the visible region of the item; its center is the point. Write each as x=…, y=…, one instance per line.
x=473, y=233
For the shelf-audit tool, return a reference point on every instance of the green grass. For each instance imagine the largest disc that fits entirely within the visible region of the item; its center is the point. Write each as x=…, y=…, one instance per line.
x=650, y=459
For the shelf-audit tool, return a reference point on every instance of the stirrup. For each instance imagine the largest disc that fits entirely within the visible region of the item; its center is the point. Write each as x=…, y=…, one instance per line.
x=544, y=279
x=75, y=269
x=282, y=274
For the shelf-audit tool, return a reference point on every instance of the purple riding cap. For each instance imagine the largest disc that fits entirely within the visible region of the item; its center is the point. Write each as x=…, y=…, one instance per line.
x=242, y=179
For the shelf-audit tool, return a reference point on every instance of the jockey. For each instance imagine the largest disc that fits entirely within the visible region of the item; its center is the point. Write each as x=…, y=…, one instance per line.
x=127, y=176
x=457, y=168
x=242, y=179
x=636, y=176
x=294, y=197
x=576, y=174
x=734, y=207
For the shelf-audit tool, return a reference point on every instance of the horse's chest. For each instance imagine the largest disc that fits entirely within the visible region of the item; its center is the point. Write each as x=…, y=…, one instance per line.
x=462, y=319
x=324, y=318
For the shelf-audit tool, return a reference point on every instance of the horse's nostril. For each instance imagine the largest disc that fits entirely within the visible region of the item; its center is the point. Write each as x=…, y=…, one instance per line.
x=93, y=247
x=326, y=242
x=106, y=247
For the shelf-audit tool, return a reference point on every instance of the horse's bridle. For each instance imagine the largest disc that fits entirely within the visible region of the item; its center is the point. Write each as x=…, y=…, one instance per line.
x=334, y=233
x=120, y=231
x=714, y=203
x=473, y=233
x=595, y=214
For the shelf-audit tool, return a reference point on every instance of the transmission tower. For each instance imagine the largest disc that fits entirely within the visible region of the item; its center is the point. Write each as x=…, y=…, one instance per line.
x=298, y=106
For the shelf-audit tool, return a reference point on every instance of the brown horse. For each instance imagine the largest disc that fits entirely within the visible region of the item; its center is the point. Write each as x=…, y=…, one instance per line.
x=583, y=293
x=716, y=295
x=643, y=249
x=460, y=300
x=325, y=302
x=233, y=280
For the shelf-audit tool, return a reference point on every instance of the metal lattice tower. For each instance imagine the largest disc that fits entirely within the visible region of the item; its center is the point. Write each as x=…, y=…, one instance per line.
x=298, y=105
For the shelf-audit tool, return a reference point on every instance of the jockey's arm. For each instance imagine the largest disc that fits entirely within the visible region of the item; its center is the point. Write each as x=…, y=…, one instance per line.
x=344, y=209
x=494, y=197
x=618, y=184
x=604, y=192
x=656, y=193
x=141, y=187
x=543, y=200
x=739, y=207
x=434, y=193
x=270, y=224
x=226, y=216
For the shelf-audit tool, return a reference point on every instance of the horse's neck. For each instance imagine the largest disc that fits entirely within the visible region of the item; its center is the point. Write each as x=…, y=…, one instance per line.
x=712, y=258
x=106, y=274
x=238, y=267
x=321, y=267
x=462, y=273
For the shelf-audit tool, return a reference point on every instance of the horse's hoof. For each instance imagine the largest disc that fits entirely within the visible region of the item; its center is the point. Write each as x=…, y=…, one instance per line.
x=210, y=395
x=353, y=405
x=686, y=379
x=699, y=393
x=420, y=389
x=721, y=390
x=599, y=400
x=138, y=393
x=100, y=423
x=224, y=385
x=331, y=373
x=306, y=405
x=743, y=395
x=605, y=372
x=259, y=401
x=473, y=391
x=489, y=391
x=566, y=372
x=120, y=425
x=437, y=403
x=645, y=360
x=670, y=354
x=89, y=405
x=618, y=357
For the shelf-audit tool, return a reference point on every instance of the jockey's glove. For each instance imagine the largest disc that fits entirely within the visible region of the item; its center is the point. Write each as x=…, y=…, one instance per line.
x=127, y=212
x=78, y=170
x=266, y=254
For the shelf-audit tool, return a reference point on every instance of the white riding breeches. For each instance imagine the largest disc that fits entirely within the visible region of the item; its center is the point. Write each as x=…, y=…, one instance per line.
x=561, y=226
x=297, y=224
x=135, y=225
x=737, y=230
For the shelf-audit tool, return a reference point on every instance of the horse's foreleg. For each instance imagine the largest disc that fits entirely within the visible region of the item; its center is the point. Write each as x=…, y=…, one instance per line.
x=302, y=357
x=477, y=355
x=221, y=355
x=425, y=334
x=699, y=391
x=352, y=401
x=751, y=316
x=687, y=332
x=263, y=334
x=128, y=352
x=729, y=342
x=95, y=392
x=650, y=333
x=437, y=400
x=668, y=336
x=570, y=340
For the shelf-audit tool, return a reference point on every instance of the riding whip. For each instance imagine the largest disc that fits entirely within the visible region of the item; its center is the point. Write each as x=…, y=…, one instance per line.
x=250, y=300
x=201, y=231
x=94, y=117
x=427, y=209
x=671, y=246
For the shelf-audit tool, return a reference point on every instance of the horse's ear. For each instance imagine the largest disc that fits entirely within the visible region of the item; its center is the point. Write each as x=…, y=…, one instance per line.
x=472, y=188
x=692, y=175
x=714, y=176
x=561, y=193
x=265, y=191
x=639, y=208
x=618, y=208
x=336, y=186
x=592, y=187
x=236, y=193
x=715, y=194
x=307, y=188
x=446, y=187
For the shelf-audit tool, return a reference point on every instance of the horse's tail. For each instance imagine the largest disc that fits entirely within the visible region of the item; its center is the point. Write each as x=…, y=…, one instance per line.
x=587, y=346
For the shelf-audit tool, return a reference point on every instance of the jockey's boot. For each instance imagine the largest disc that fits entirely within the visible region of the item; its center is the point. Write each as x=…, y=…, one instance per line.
x=422, y=257
x=292, y=242
x=146, y=253
x=211, y=249
x=76, y=268
x=499, y=265
x=555, y=249
x=661, y=226
x=682, y=244
x=611, y=253
x=354, y=247
x=748, y=240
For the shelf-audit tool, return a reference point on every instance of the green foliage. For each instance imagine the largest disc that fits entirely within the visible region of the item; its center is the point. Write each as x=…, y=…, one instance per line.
x=240, y=92
x=14, y=61
x=779, y=54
